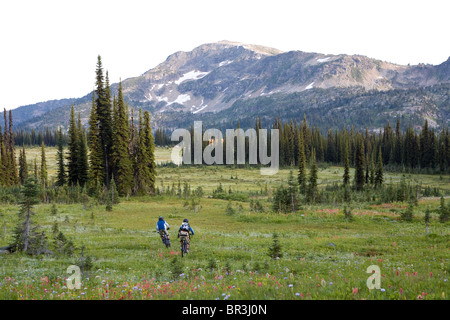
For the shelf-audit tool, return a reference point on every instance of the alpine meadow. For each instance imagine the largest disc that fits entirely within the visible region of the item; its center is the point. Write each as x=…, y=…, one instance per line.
x=358, y=207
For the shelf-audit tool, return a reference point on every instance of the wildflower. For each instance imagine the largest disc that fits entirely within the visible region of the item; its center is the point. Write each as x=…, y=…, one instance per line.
x=355, y=290
x=419, y=297
x=291, y=285
x=297, y=294
x=401, y=290
x=382, y=290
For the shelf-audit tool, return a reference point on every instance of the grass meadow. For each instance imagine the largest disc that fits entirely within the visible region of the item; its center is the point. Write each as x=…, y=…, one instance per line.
x=324, y=256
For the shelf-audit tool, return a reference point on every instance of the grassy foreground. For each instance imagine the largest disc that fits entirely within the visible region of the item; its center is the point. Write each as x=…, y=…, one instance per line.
x=324, y=256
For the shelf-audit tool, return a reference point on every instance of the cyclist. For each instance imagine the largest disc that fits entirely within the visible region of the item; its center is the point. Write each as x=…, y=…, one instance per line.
x=183, y=233
x=162, y=227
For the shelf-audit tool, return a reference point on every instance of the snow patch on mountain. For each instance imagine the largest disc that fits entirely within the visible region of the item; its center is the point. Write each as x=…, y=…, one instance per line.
x=323, y=59
x=191, y=75
x=181, y=99
x=200, y=109
x=310, y=86
x=226, y=62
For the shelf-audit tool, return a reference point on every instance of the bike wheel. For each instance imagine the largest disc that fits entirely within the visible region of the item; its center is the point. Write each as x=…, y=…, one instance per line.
x=183, y=249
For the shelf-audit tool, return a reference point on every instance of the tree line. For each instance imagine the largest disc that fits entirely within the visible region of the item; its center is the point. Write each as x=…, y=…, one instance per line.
x=117, y=149
x=426, y=149
x=35, y=137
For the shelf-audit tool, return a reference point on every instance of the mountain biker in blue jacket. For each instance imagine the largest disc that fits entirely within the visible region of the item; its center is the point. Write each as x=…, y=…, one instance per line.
x=183, y=232
x=162, y=227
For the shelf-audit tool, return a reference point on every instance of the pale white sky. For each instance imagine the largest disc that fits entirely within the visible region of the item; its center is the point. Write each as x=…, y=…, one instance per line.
x=48, y=49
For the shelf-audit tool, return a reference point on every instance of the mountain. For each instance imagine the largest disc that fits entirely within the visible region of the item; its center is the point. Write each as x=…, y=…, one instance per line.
x=226, y=81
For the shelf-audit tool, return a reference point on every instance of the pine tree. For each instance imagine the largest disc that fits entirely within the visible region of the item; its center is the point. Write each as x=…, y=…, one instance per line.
x=301, y=164
x=150, y=151
x=103, y=109
x=379, y=170
x=312, y=186
x=123, y=171
x=2, y=159
x=61, y=174
x=23, y=166
x=346, y=177
x=83, y=165
x=73, y=146
x=275, y=249
x=359, y=164
x=96, y=172
x=12, y=155
x=44, y=174
x=141, y=172
x=25, y=234
x=372, y=170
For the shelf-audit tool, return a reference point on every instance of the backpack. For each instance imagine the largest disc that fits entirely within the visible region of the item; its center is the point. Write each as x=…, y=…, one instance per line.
x=184, y=226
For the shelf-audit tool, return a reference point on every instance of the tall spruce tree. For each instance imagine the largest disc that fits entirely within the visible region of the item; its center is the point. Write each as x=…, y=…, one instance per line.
x=44, y=173
x=346, y=177
x=25, y=234
x=96, y=172
x=312, y=186
x=141, y=172
x=83, y=165
x=123, y=170
x=23, y=166
x=103, y=109
x=301, y=164
x=73, y=146
x=61, y=173
x=12, y=155
x=379, y=171
x=359, y=164
x=2, y=159
x=372, y=169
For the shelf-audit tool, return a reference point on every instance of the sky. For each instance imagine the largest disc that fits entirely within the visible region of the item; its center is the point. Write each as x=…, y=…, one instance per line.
x=49, y=49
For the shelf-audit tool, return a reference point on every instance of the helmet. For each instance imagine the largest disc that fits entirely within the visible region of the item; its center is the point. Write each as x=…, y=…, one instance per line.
x=161, y=218
x=185, y=220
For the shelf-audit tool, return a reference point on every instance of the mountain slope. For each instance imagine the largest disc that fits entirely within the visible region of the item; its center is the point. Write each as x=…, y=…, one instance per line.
x=213, y=79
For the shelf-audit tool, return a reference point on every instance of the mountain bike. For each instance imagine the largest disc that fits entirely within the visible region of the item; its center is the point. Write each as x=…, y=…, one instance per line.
x=184, y=245
x=165, y=239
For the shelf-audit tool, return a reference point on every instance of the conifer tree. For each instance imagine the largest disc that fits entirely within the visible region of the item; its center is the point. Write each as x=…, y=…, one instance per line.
x=379, y=170
x=61, y=174
x=83, y=165
x=25, y=234
x=123, y=171
x=141, y=172
x=359, y=164
x=372, y=170
x=150, y=151
x=44, y=174
x=96, y=172
x=312, y=186
x=103, y=109
x=301, y=164
x=346, y=177
x=11, y=151
x=2, y=159
x=23, y=166
x=73, y=146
